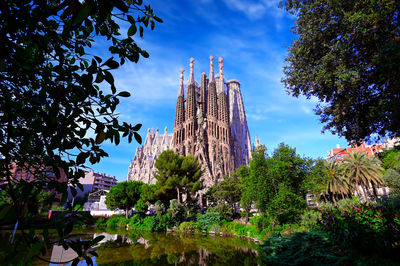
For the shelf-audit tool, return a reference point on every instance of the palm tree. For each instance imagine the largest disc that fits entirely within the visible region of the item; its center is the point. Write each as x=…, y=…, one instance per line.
x=338, y=184
x=363, y=171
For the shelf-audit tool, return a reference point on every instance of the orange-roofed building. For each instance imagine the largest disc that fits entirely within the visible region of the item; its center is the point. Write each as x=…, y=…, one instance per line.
x=340, y=153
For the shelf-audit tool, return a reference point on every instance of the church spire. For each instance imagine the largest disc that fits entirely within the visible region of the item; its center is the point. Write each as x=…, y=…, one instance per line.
x=220, y=88
x=191, y=75
x=211, y=68
x=181, y=91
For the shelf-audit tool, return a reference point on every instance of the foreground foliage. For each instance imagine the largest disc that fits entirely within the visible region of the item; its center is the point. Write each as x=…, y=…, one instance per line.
x=58, y=99
x=347, y=56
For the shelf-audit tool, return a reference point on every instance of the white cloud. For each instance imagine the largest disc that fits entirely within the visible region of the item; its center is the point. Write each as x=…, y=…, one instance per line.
x=306, y=109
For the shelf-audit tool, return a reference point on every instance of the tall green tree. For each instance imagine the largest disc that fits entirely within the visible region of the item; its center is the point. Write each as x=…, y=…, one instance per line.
x=258, y=179
x=124, y=196
x=347, y=55
x=177, y=175
x=363, y=171
x=228, y=191
x=247, y=196
x=287, y=176
x=53, y=110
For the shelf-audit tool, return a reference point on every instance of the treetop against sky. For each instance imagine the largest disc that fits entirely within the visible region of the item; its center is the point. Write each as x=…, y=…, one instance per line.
x=253, y=38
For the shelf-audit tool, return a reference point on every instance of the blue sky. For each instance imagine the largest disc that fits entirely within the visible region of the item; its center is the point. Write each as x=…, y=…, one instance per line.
x=252, y=37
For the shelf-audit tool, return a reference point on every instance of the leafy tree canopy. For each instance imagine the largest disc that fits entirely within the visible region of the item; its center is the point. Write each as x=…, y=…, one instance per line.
x=53, y=110
x=177, y=173
x=277, y=183
x=228, y=191
x=347, y=55
x=124, y=196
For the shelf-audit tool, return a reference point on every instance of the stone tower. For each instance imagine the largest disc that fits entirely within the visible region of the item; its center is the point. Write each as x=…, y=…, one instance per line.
x=210, y=123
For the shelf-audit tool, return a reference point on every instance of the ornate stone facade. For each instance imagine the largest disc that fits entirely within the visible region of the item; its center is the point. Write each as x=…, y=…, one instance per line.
x=210, y=123
x=142, y=165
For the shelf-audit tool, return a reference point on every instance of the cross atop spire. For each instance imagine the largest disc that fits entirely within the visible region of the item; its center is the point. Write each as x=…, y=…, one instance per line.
x=181, y=90
x=211, y=68
x=191, y=75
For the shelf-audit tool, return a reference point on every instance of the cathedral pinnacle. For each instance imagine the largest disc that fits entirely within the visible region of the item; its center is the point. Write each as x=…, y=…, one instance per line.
x=181, y=87
x=191, y=75
x=211, y=68
x=221, y=74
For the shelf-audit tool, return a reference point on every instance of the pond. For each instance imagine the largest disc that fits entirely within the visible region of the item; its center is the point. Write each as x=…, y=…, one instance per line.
x=146, y=248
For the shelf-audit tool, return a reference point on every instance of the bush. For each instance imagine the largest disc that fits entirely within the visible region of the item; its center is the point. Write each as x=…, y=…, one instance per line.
x=100, y=222
x=261, y=222
x=310, y=218
x=305, y=248
x=188, y=227
x=117, y=222
x=135, y=221
x=223, y=209
x=176, y=210
x=341, y=204
x=234, y=228
x=154, y=223
x=205, y=221
x=364, y=230
x=159, y=207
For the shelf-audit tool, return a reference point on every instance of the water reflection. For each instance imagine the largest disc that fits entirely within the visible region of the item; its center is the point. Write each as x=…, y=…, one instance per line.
x=146, y=248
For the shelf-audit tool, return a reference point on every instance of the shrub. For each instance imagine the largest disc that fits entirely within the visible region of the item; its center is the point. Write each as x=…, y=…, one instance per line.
x=223, y=209
x=135, y=221
x=261, y=222
x=234, y=228
x=101, y=222
x=364, y=229
x=341, y=204
x=205, y=221
x=310, y=218
x=305, y=248
x=188, y=227
x=159, y=207
x=119, y=222
x=176, y=209
x=141, y=206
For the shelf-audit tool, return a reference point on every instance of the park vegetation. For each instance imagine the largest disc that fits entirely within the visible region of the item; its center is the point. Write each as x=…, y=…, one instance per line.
x=266, y=200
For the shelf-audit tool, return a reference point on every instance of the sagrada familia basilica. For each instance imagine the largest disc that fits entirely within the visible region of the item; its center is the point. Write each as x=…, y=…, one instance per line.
x=210, y=123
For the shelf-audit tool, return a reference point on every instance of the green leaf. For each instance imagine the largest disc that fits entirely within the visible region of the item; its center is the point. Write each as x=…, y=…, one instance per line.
x=138, y=137
x=124, y=94
x=137, y=127
x=141, y=31
x=158, y=19
x=82, y=14
x=81, y=158
x=131, y=19
x=145, y=54
x=73, y=191
x=99, y=77
x=120, y=5
x=75, y=261
x=116, y=137
x=98, y=59
x=132, y=30
x=111, y=63
x=100, y=137
x=96, y=240
x=68, y=229
x=4, y=212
